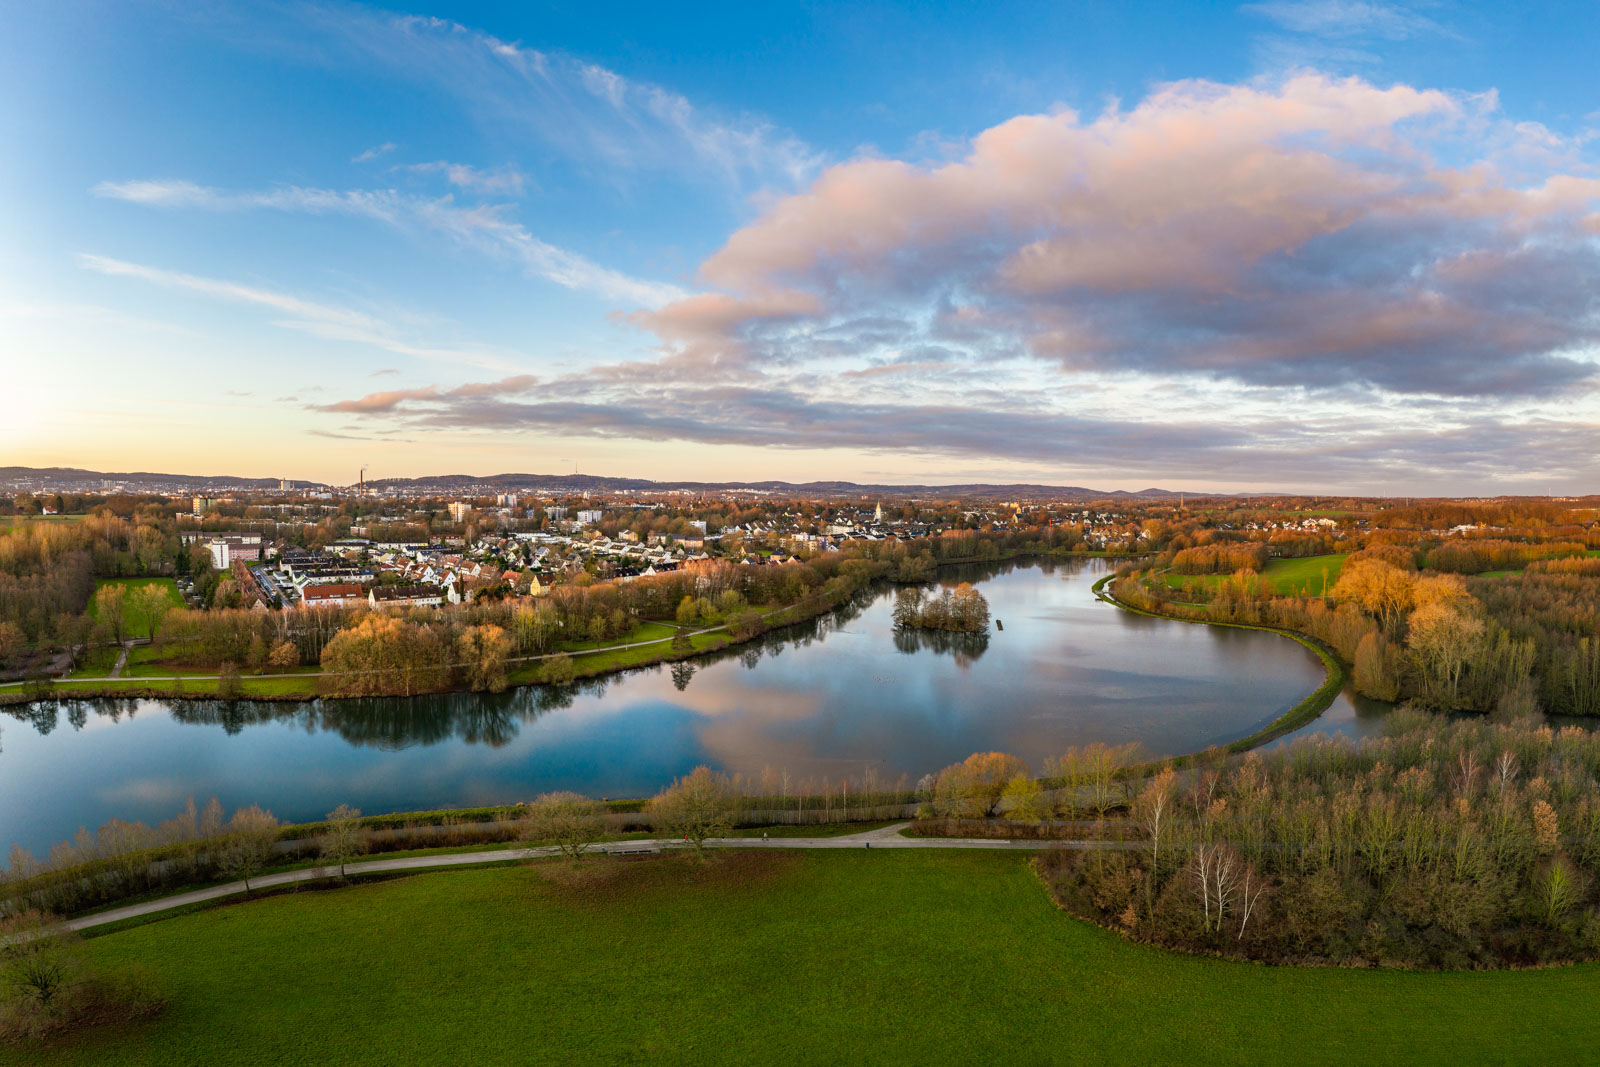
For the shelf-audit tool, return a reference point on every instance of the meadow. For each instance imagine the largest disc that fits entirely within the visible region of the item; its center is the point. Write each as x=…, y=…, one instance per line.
x=136, y=619
x=875, y=956
x=1289, y=577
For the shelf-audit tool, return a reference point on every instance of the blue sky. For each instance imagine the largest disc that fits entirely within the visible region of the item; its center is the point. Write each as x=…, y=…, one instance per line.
x=1318, y=244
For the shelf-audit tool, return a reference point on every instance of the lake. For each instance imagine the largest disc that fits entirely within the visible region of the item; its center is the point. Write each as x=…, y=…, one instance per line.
x=829, y=698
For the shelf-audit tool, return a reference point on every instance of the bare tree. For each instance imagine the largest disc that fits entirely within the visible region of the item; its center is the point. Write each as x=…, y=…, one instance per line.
x=1216, y=873
x=251, y=835
x=1251, y=887
x=1154, y=804
x=696, y=806
x=344, y=838
x=572, y=821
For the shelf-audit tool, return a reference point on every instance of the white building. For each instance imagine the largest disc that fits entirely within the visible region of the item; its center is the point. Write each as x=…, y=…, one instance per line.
x=459, y=510
x=221, y=555
x=590, y=516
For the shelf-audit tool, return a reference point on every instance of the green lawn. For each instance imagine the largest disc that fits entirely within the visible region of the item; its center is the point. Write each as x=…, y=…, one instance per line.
x=249, y=684
x=1289, y=577
x=644, y=631
x=135, y=620
x=1303, y=577
x=880, y=957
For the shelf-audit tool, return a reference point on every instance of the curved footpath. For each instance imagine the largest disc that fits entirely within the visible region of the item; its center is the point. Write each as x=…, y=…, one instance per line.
x=885, y=837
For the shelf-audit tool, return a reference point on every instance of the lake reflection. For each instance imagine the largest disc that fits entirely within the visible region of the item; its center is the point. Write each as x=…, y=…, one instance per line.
x=831, y=697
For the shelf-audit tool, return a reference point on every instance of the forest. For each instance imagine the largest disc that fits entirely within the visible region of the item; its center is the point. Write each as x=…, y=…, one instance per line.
x=1443, y=844
x=1457, y=623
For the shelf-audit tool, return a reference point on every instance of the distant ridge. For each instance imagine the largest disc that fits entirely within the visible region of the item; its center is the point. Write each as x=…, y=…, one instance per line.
x=65, y=477
x=75, y=476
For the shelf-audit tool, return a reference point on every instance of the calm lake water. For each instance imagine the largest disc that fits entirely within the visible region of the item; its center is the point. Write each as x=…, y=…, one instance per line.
x=831, y=697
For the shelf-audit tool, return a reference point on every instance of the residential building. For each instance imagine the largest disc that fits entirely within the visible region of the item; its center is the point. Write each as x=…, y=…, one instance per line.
x=329, y=596
x=405, y=596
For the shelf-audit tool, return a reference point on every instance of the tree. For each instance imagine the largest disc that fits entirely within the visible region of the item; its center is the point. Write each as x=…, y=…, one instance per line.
x=152, y=603
x=745, y=624
x=973, y=787
x=344, y=838
x=1379, y=588
x=484, y=650
x=110, y=606
x=1024, y=801
x=1154, y=808
x=250, y=838
x=558, y=670
x=1377, y=667
x=571, y=820
x=11, y=641
x=697, y=806
x=228, y=685
x=285, y=656
x=1442, y=641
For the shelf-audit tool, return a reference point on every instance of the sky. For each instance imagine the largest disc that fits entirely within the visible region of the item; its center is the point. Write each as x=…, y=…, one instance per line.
x=1305, y=245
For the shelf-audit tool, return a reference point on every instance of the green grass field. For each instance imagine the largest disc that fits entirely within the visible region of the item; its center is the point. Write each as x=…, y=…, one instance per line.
x=877, y=957
x=135, y=620
x=1289, y=577
x=22, y=520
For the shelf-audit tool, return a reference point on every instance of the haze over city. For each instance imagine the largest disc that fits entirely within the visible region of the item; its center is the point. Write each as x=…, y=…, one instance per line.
x=1326, y=245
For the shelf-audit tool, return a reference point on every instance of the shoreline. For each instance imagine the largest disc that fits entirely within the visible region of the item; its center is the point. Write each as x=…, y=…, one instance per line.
x=15, y=694
x=1304, y=713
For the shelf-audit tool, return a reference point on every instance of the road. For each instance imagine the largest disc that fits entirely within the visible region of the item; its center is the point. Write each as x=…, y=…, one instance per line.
x=887, y=837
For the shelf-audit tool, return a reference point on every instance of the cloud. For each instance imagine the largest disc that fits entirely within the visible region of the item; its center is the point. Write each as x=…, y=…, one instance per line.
x=391, y=400
x=591, y=114
x=499, y=180
x=1461, y=452
x=483, y=228
x=1297, y=233
x=1348, y=18
x=373, y=153
x=327, y=321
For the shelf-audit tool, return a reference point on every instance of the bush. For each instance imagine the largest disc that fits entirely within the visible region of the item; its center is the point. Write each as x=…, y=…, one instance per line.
x=558, y=670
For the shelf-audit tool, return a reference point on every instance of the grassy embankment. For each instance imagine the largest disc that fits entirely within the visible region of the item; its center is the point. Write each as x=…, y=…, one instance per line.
x=153, y=670
x=908, y=957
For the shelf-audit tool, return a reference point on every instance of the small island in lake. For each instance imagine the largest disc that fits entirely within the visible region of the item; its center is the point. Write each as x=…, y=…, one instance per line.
x=963, y=610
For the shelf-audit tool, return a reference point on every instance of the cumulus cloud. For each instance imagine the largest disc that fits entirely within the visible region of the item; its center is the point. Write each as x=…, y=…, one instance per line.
x=1298, y=232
